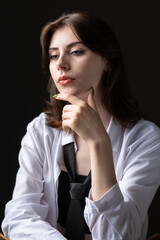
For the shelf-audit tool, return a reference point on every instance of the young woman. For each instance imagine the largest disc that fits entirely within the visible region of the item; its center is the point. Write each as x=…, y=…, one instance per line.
x=89, y=165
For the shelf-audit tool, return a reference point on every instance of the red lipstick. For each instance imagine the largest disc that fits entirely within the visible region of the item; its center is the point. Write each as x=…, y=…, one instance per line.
x=63, y=80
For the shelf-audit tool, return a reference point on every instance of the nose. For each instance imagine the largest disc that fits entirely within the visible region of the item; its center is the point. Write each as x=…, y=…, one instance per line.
x=62, y=64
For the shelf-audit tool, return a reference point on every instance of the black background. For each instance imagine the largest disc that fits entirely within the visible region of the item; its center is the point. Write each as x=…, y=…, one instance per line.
x=23, y=86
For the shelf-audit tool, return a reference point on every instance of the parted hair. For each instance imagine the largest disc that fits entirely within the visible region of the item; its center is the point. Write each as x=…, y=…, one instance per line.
x=116, y=95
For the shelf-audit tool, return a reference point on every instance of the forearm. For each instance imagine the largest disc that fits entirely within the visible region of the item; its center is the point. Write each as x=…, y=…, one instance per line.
x=102, y=167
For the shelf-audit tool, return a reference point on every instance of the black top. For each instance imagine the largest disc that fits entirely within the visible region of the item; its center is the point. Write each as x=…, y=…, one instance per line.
x=64, y=197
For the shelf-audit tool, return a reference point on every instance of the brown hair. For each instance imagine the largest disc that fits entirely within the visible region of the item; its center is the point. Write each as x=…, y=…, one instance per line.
x=117, y=96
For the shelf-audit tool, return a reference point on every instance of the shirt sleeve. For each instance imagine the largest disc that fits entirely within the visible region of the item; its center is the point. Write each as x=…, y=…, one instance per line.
x=25, y=214
x=121, y=213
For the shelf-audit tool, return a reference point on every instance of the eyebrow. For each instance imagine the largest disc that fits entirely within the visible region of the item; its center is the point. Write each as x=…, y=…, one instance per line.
x=67, y=46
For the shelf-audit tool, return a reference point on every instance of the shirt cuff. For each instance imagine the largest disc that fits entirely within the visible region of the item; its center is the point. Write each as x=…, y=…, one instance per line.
x=109, y=200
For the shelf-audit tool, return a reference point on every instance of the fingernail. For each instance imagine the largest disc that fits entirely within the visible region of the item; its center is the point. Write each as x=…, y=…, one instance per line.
x=92, y=91
x=55, y=95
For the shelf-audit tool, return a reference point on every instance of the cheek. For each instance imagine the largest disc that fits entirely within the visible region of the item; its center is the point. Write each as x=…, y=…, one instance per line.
x=52, y=71
x=51, y=68
x=84, y=64
x=85, y=68
x=91, y=69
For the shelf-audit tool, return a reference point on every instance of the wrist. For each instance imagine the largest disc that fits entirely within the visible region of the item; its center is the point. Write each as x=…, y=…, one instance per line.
x=99, y=142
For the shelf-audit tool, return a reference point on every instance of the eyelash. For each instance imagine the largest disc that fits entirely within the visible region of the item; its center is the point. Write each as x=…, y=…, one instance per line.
x=53, y=57
x=78, y=52
x=75, y=53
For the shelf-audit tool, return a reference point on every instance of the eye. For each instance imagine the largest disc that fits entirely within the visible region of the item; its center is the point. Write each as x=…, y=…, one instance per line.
x=77, y=52
x=53, y=57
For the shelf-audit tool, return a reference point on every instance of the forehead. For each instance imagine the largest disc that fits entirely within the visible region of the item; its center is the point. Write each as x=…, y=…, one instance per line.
x=63, y=37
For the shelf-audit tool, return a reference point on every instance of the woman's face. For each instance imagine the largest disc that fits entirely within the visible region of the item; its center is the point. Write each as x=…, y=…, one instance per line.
x=74, y=67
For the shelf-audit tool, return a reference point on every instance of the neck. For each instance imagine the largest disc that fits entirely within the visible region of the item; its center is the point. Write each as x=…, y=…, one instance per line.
x=104, y=115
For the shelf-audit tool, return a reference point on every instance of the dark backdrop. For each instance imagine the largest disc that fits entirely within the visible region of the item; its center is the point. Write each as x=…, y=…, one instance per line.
x=136, y=24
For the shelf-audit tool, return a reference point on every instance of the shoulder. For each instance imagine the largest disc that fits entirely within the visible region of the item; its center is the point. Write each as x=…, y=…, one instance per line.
x=143, y=128
x=39, y=132
x=39, y=125
x=143, y=135
x=37, y=122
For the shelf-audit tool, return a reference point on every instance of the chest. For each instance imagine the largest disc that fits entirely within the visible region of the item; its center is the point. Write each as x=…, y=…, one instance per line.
x=82, y=156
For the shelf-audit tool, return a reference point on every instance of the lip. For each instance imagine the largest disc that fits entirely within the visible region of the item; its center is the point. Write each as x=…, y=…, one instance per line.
x=64, y=77
x=63, y=80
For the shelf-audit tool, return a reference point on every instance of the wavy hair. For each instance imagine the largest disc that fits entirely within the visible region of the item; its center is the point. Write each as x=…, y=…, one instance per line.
x=116, y=95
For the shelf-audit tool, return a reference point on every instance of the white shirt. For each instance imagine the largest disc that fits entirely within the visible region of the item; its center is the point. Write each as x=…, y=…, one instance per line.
x=121, y=213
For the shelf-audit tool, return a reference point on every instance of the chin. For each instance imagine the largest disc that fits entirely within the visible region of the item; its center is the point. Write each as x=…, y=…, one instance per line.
x=70, y=91
x=81, y=94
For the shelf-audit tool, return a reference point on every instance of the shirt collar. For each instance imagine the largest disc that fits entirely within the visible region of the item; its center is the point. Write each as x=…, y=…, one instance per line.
x=68, y=138
x=114, y=131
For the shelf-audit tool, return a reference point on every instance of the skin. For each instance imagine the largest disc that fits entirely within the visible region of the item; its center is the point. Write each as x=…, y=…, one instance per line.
x=68, y=56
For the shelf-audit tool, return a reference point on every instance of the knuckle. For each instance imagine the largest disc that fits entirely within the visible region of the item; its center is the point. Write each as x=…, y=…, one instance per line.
x=82, y=106
x=67, y=95
x=64, y=108
x=63, y=117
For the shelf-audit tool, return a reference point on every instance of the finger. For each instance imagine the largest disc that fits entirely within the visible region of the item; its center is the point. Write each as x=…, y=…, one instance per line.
x=91, y=102
x=66, y=129
x=66, y=124
x=69, y=108
x=69, y=98
x=67, y=115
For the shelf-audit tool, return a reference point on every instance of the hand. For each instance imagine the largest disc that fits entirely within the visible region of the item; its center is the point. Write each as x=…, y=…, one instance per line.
x=82, y=117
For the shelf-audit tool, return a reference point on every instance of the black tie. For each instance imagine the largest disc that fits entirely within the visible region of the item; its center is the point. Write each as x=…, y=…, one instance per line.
x=75, y=223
